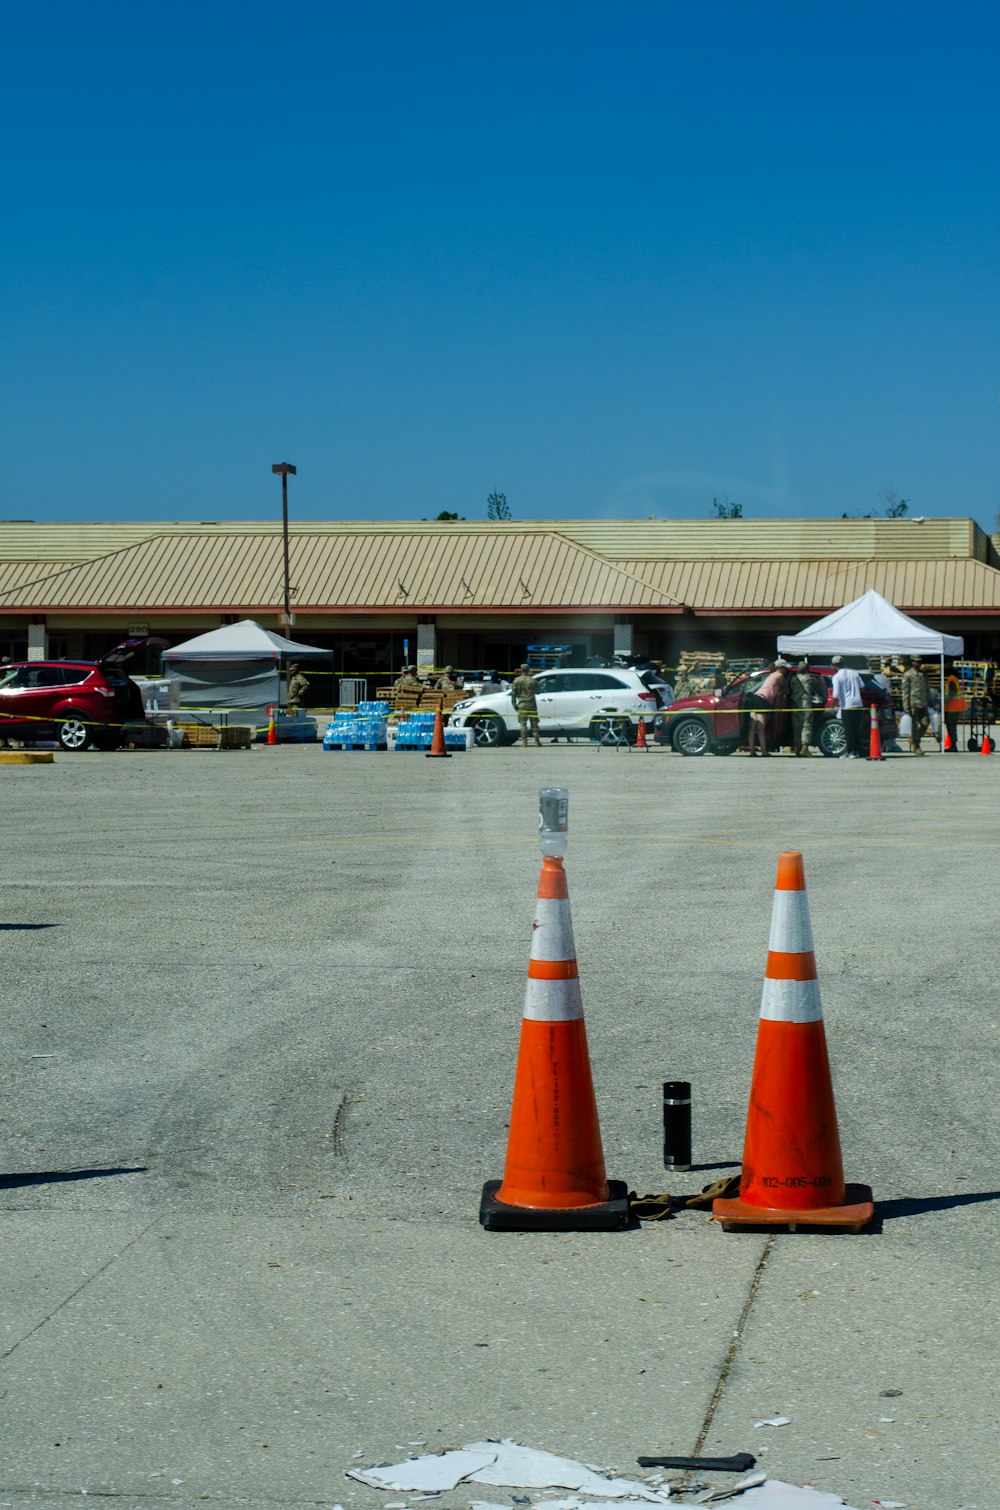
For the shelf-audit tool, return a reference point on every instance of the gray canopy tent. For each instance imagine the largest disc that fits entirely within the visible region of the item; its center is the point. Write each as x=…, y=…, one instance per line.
x=871, y=626
x=237, y=667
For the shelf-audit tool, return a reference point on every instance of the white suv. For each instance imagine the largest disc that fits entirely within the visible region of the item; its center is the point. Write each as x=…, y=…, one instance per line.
x=571, y=701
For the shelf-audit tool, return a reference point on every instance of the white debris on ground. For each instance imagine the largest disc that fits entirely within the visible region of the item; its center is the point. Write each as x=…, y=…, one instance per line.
x=434, y=1471
x=508, y=1465
x=773, y=1421
x=774, y=1495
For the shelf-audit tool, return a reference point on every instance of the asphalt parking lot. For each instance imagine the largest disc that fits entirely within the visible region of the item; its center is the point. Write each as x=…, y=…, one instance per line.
x=283, y=988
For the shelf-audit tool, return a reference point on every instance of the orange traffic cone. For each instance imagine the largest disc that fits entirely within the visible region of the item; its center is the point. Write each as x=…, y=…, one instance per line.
x=640, y=736
x=986, y=748
x=554, y=1178
x=272, y=727
x=792, y=1170
x=875, y=738
x=437, y=748
x=949, y=744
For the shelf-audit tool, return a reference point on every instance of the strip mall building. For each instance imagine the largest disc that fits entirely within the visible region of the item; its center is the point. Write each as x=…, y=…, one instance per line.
x=477, y=594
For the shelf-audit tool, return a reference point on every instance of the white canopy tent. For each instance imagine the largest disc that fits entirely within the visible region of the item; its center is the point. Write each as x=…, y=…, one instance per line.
x=235, y=667
x=871, y=626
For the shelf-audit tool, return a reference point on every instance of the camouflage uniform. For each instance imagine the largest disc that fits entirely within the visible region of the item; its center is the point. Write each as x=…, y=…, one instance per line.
x=446, y=682
x=408, y=681
x=916, y=696
x=523, y=693
x=801, y=691
x=298, y=686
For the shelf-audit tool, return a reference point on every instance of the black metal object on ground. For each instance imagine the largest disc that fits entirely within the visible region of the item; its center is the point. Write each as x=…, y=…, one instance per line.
x=740, y=1462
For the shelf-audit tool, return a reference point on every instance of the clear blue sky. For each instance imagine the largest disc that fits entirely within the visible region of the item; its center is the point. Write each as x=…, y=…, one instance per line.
x=611, y=259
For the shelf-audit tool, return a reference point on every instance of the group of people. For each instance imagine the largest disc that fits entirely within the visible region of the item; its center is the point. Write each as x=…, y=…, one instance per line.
x=796, y=688
x=800, y=691
x=409, y=681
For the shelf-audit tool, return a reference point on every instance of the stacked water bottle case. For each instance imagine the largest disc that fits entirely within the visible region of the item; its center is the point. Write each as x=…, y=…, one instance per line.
x=417, y=731
x=364, y=729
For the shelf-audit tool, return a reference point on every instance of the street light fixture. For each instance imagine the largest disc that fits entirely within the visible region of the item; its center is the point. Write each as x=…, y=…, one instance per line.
x=284, y=469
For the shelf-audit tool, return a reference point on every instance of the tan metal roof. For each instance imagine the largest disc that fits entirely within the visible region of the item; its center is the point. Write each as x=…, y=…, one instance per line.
x=733, y=587
x=376, y=569
x=779, y=539
x=20, y=573
x=649, y=539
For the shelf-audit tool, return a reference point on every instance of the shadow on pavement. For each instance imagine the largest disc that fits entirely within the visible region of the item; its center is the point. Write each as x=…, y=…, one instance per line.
x=918, y=1205
x=57, y=1176
x=26, y=927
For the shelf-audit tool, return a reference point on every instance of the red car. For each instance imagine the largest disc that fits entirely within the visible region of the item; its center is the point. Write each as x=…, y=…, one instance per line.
x=716, y=721
x=79, y=703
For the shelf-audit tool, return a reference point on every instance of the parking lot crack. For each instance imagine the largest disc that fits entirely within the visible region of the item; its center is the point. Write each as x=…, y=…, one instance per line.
x=81, y=1287
x=735, y=1344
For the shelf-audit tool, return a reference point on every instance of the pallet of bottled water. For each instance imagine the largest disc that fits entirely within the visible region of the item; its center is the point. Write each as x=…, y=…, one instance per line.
x=360, y=729
x=417, y=732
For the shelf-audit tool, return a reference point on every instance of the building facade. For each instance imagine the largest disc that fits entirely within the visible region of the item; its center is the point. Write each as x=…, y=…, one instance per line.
x=476, y=594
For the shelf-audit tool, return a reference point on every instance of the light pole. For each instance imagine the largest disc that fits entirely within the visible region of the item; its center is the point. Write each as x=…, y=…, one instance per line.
x=285, y=469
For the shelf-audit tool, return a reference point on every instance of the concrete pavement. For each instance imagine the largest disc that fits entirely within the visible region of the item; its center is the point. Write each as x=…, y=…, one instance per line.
x=288, y=985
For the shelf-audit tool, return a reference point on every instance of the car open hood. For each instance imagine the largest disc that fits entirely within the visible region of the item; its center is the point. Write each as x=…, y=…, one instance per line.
x=119, y=654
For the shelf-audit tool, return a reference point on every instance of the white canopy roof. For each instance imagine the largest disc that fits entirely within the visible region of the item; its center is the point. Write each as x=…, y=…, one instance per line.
x=870, y=626
x=245, y=641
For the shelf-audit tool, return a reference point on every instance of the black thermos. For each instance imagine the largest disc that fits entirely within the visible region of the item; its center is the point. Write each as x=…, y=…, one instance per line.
x=677, y=1124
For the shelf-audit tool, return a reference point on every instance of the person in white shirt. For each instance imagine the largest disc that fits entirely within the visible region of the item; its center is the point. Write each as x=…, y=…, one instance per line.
x=847, y=686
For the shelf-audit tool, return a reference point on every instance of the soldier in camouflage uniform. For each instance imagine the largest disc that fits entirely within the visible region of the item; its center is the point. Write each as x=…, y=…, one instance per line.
x=802, y=696
x=523, y=692
x=916, y=698
x=298, y=686
x=407, y=681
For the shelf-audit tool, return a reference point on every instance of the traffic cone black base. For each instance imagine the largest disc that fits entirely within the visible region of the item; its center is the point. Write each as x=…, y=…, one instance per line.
x=554, y=1179
x=856, y=1212
x=612, y=1215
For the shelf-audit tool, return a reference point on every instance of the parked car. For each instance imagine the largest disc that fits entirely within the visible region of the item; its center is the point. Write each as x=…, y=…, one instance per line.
x=78, y=703
x=716, y=722
x=573, y=701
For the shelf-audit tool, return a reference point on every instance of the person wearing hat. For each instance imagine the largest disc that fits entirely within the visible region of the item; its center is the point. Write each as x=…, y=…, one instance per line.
x=847, y=685
x=446, y=682
x=916, y=700
x=524, y=694
x=803, y=695
x=407, y=680
x=298, y=686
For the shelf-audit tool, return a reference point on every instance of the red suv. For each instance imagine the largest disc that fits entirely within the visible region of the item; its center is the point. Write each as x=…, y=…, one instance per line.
x=716, y=721
x=79, y=703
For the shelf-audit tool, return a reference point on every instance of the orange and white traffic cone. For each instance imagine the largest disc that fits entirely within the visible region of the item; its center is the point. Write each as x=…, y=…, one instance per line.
x=554, y=1178
x=875, y=738
x=792, y=1170
x=640, y=735
x=272, y=727
x=438, y=748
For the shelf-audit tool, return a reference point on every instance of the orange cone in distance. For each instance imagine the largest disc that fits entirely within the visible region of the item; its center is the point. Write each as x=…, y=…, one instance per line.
x=875, y=738
x=949, y=744
x=438, y=748
x=986, y=748
x=792, y=1170
x=640, y=735
x=554, y=1178
x=272, y=727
